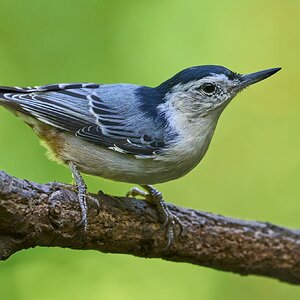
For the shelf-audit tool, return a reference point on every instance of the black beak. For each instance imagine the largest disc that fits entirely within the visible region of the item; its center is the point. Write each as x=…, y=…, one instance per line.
x=248, y=79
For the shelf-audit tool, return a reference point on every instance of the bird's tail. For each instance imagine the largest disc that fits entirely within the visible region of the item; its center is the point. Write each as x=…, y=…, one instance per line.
x=9, y=97
x=10, y=100
x=8, y=103
x=2, y=99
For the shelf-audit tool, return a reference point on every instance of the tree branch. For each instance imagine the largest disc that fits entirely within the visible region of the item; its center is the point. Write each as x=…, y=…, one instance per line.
x=34, y=214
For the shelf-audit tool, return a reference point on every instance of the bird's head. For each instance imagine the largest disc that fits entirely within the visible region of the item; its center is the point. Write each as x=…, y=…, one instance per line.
x=204, y=89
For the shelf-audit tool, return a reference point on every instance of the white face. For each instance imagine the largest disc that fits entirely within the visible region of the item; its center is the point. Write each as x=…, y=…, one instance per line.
x=200, y=97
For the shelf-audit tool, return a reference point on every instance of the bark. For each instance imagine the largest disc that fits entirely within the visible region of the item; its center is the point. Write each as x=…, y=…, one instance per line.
x=33, y=214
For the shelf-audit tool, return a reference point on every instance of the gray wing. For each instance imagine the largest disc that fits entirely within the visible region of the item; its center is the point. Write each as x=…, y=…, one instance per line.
x=105, y=115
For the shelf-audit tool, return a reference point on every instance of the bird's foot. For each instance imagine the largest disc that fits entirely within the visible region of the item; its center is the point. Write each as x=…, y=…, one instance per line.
x=169, y=220
x=80, y=189
x=74, y=188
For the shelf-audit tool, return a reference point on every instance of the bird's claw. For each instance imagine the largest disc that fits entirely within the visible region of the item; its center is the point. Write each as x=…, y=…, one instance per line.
x=169, y=220
x=83, y=222
x=95, y=201
x=172, y=220
x=170, y=223
x=74, y=188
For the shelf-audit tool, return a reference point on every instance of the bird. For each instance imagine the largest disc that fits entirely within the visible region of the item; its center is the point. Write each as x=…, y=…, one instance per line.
x=131, y=133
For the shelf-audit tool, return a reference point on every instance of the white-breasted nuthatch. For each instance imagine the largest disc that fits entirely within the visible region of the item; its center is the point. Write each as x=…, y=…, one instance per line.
x=131, y=133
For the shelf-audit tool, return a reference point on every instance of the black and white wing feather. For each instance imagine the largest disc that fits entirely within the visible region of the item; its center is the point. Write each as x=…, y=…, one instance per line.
x=79, y=108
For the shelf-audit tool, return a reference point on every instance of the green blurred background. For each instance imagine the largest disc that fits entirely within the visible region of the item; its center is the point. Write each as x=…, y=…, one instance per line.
x=251, y=170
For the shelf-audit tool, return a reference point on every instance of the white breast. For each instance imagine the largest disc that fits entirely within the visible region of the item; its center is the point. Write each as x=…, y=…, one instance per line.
x=194, y=137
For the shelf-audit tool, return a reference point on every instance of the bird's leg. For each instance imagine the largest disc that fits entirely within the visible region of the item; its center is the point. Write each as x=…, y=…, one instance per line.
x=81, y=189
x=169, y=220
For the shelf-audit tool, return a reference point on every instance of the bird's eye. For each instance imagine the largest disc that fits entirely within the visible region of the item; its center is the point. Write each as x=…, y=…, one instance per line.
x=208, y=88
